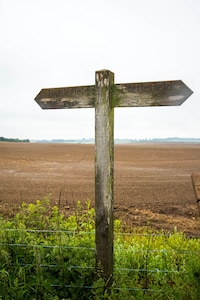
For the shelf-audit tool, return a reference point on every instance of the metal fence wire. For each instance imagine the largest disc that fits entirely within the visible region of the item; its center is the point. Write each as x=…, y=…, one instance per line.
x=146, y=265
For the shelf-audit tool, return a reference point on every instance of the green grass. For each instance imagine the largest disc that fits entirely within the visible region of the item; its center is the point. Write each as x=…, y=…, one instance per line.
x=44, y=255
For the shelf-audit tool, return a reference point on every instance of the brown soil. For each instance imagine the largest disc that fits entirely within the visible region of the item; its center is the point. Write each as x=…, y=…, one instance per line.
x=152, y=181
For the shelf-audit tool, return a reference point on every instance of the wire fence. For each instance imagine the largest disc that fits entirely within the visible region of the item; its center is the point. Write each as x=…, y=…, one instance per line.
x=65, y=260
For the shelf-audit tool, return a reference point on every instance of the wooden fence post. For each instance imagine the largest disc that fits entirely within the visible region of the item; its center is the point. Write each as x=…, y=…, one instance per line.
x=196, y=186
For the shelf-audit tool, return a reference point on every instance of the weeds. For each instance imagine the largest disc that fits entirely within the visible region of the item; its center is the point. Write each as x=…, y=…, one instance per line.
x=44, y=255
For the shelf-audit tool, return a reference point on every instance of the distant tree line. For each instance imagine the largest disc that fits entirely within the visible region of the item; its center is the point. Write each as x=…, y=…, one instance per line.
x=3, y=139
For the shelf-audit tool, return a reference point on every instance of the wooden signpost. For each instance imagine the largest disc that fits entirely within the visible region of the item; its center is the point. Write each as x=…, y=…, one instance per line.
x=104, y=96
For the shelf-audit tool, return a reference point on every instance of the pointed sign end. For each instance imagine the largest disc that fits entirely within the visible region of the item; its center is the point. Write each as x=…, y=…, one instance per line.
x=186, y=92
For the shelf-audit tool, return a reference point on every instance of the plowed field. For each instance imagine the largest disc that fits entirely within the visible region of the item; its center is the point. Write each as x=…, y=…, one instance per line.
x=152, y=181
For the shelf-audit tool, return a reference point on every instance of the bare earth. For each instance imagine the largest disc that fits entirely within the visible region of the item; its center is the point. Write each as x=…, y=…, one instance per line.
x=152, y=181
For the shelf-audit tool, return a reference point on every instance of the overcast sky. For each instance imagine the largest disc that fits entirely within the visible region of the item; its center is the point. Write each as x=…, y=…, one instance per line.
x=57, y=43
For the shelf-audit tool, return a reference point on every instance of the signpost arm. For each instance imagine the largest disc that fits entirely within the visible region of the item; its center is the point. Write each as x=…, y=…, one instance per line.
x=104, y=152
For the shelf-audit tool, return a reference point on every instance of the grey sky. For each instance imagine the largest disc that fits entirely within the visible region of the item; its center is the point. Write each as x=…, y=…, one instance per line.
x=46, y=43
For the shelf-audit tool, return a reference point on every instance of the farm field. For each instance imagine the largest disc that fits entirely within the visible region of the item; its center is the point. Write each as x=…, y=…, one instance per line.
x=152, y=181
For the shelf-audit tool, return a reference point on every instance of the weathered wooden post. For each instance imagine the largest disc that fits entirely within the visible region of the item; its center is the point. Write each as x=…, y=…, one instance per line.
x=104, y=149
x=196, y=186
x=104, y=96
